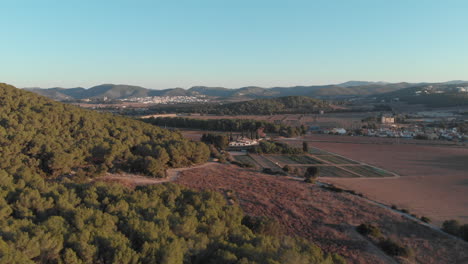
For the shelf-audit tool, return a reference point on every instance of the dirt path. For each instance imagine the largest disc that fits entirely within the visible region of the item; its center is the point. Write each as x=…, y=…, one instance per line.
x=173, y=174
x=134, y=179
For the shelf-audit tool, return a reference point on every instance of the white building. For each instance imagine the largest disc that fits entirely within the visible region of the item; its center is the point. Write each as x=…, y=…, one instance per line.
x=243, y=142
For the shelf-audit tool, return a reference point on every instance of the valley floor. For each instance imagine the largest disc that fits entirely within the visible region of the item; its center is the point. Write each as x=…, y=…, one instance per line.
x=433, y=182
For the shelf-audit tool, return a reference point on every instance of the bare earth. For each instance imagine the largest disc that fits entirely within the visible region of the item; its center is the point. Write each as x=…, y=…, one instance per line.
x=326, y=218
x=133, y=180
x=433, y=182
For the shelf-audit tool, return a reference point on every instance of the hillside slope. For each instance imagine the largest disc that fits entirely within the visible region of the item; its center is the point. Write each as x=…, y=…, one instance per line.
x=58, y=220
x=432, y=95
x=56, y=138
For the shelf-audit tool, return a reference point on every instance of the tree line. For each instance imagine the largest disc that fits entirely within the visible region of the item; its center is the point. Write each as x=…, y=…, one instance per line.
x=280, y=105
x=248, y=126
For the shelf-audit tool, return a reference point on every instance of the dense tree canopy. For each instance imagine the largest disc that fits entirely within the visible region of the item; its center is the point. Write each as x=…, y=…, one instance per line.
x=55, y=138
x=229, y=125
x=272, y=147
x=43, y=222
x=280, y=105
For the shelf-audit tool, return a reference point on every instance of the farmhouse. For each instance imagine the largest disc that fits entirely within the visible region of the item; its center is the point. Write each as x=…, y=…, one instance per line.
x=243, y=142
x=340, y=131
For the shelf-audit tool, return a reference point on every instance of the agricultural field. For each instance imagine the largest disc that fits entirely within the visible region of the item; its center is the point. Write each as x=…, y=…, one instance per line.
x=433, y=178
x=331, y=171
x=329, y=165
x=316, y=151
x=263, y=161
x=246, y=159
x=334, y=159
x=293, y=159
x=368, y=171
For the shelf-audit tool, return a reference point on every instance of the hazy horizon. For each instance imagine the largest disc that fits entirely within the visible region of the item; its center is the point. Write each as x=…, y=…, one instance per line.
x=188, y=87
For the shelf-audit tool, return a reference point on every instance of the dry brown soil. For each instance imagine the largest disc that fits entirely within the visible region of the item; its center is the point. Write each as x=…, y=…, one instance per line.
x=326, y=218
x=433, y=182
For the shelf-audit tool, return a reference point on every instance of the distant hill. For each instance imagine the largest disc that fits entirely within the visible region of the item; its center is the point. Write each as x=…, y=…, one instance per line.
x=280, y=105
x=111, y=91
x=360, y=83
x=448, y=94
x=121, y=91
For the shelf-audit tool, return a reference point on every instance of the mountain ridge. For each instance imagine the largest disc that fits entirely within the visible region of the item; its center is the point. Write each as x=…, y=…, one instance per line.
x=124, y=91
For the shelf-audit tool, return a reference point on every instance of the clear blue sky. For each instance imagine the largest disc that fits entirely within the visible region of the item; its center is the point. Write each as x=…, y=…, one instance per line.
x=163, y=44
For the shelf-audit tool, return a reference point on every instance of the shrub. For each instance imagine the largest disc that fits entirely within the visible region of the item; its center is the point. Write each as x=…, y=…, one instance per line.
x=311, y=174
x=451, y=227
x=305, y=147
x=464, y=232
x=369, y=230
x=274, y=172
x=243, y=164
x=425, y=219
x=394, y=249
x=262, y=225
x=333, y=188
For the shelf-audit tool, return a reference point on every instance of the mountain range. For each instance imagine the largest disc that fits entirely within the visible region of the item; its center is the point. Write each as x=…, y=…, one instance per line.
x=333, y=91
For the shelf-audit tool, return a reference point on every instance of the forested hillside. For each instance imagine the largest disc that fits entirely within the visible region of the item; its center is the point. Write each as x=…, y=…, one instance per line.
x=44, y=220
x=227, y=125
x=54, y=138
x=281, y=105
x=434, y=95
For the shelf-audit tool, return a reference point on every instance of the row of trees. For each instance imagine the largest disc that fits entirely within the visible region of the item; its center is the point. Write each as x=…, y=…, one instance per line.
x=229, y=125
x=220, y=141
x=63, y=221
x=271, y=147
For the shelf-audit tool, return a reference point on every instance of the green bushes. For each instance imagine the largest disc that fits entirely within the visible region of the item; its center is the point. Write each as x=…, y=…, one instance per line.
x=274, y=172
x=393, y=248
x=311, y=174
x=389, y=246
x=369, y=230
x=220, y=141
x=243, y=164
x=271, y=147
x=455, y=228
x=451, y=227
x=262, y=225
x=425, y=219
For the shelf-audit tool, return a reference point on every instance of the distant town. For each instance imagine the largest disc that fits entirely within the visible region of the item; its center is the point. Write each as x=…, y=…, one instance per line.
x=167, y=99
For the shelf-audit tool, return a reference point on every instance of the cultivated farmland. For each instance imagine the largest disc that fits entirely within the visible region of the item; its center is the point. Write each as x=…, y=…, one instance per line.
x=433, y=176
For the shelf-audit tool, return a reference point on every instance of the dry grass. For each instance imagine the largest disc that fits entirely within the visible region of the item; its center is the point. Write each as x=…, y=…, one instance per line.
x=325, y=217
